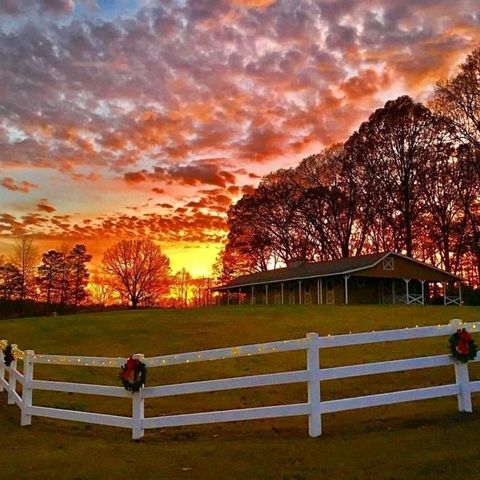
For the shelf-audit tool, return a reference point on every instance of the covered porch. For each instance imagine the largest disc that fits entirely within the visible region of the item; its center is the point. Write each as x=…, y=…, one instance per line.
x=344, y=289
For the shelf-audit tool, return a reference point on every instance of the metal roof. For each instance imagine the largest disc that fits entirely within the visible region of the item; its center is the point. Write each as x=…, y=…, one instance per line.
x=320, y=269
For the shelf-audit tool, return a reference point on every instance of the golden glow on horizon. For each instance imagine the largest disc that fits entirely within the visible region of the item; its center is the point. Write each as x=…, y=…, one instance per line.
x=196, y=258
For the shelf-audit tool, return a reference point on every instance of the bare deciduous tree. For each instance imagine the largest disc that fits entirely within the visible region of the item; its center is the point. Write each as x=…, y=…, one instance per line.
x=25, y=257
x=138, y=271
x=182, y=285
x=457, y=102
x=101, y=292
x=457, y=99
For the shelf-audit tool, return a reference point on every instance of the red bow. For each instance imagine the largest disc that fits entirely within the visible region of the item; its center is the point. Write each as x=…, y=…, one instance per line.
x=130, y=372
x=463, y=342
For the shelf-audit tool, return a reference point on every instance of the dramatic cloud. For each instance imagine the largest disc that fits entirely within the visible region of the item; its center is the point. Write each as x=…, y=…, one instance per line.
x=106, y=104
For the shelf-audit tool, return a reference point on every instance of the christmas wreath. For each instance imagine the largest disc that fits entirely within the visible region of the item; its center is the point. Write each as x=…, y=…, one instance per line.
x=8, y=356
x=463, y=346
x=133, y=375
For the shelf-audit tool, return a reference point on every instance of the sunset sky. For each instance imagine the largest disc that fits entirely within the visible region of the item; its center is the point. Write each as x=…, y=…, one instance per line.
x=128, y=118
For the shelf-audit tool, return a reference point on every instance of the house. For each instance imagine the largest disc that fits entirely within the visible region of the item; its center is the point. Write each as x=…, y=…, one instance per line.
x=378, y=278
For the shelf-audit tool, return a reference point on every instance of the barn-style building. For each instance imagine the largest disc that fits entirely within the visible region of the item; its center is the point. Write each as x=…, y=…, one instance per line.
x=379, y=278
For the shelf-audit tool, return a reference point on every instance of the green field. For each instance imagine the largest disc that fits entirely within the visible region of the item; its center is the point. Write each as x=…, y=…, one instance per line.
x=419, y=440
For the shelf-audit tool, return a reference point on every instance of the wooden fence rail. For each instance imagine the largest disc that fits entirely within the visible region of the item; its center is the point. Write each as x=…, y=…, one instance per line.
x=313, y=375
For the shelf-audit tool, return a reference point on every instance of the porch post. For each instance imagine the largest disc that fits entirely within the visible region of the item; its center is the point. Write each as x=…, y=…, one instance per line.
x=460, y=293
x=321, y=291
x=318, y=291
x=423, y=291
x=228, y=297
x=251, y=296
x=281, y=286
x=407, y=280
x=444, y=292
x=393, y=291
x=239, y=296
x=346, y=277
x=266, y=294
x=299, y=292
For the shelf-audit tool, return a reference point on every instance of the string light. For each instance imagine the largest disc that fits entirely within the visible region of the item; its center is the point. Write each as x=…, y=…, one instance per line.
x=188, y=358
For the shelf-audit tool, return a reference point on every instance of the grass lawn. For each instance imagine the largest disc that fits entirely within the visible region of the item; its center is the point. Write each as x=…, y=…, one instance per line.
x=427, y=439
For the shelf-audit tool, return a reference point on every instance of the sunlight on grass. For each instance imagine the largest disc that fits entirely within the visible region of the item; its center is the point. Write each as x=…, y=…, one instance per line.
x=395, y=442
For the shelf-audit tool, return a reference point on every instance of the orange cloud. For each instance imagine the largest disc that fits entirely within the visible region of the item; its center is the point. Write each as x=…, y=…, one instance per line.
x=44, y=206
x=254, y=3
x=24, y=186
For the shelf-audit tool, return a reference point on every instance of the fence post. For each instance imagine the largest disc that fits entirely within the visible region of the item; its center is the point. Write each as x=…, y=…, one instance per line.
x=313, y=368
x=2, y=364
x=463, y=381
x=12, y=379
x=462, y=378
x=138, y=408
x=26, y=418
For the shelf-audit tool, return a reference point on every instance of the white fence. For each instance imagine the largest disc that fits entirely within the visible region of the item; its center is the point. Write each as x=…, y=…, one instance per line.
x=313, y=375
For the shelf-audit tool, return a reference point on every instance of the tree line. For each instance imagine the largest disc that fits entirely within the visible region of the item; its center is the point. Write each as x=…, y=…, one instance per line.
x=407, y=180
x=56, y=278
x=133, y=273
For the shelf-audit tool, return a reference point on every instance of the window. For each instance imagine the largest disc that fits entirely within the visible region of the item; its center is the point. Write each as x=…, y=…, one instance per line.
x=388, y=263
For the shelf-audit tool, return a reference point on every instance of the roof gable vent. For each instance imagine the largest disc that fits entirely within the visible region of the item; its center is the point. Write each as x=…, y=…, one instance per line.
x=388, y=264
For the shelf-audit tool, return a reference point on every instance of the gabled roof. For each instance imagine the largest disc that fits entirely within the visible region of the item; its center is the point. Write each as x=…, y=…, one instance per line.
x=341, y=266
